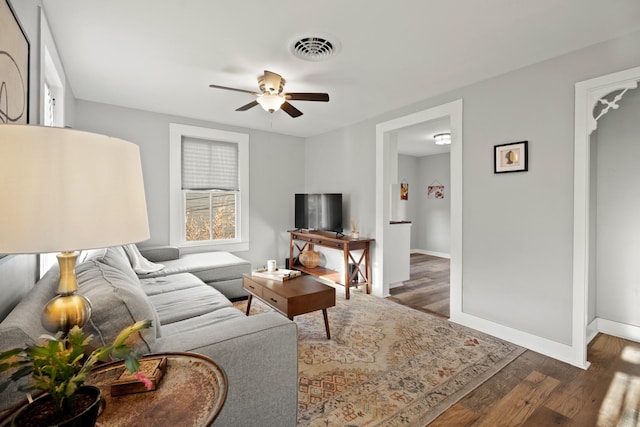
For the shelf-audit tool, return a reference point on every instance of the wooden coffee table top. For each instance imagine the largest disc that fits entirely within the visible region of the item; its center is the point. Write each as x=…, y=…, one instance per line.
x=292, y=297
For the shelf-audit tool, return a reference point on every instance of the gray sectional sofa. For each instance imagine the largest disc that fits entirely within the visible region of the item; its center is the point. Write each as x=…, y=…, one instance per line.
x=258, y=353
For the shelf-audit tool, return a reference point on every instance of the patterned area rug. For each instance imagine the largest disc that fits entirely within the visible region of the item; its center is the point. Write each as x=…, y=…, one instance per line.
x=386, y=364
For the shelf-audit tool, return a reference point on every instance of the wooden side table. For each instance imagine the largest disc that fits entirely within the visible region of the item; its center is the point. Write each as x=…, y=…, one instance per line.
x=191, y=392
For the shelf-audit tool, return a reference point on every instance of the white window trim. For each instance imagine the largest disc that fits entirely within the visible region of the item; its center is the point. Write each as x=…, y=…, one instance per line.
x=52, y=72
x=176, y=199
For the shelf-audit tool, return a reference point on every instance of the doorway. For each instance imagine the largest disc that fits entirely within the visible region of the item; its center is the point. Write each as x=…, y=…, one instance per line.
x=386, y=155
x=588, y=95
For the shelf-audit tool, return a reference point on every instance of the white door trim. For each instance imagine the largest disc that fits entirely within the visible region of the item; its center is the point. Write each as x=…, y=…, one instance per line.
x=453, y=110
x=587, y=94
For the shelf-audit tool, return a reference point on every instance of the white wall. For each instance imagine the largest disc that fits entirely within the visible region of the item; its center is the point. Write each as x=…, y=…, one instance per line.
x=431, y=218
x=434, y=215
x=343, y=161
x=618, y=213
x=408, y=170
x=518, y=227
x=275, y=173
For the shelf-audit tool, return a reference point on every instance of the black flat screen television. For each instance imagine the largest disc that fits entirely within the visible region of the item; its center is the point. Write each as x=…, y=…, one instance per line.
x=319, y=211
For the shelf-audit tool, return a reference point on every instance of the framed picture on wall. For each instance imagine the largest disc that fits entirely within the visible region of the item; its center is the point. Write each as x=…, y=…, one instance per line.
x=435, y=192
x=404, y=191
x=511, y=157
x=14, y=68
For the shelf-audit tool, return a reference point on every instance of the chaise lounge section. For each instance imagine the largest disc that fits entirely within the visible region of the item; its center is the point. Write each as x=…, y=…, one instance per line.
x=221, y=270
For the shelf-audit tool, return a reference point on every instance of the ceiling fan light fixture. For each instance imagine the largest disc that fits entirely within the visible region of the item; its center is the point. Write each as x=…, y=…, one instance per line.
x=270, y=102
x=442, y=138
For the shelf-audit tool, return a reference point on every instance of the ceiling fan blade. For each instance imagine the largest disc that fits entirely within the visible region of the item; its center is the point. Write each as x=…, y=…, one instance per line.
x=273, y=83
x=291, y=110
x=247, y=106
x=303, y=96
x=232, y=88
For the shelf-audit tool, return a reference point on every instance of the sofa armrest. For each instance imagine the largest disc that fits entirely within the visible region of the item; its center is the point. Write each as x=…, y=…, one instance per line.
x=259, y=355
x=160, y=253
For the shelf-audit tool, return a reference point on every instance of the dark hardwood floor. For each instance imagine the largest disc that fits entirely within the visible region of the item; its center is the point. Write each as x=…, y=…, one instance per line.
x=428, y=286
x=535, y=390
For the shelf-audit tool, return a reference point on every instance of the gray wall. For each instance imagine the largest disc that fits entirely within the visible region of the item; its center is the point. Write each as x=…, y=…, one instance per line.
x=408, y=170
x=431, y=218
x=434, y=224
x=18, y=273
x=344, y=161
x=518, y=227
x=275, y=171
x=618, y=213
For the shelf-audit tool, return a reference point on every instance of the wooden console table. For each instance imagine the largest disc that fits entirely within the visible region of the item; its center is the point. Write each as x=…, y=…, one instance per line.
x=361, y=274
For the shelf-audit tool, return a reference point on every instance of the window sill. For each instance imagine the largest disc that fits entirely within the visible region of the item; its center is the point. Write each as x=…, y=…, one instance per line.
x=237, y=246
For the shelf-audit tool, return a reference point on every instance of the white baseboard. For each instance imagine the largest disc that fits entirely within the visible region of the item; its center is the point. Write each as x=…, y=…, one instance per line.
x=432, y=253
x=617, y=329
x=556, y=350
x=592, y=330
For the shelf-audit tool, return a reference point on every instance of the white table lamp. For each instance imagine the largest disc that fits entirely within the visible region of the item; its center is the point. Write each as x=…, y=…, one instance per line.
x=63, y=190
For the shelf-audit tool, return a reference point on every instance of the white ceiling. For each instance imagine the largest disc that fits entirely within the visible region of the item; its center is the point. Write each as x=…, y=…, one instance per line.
x=418, y=140
x=161, y=55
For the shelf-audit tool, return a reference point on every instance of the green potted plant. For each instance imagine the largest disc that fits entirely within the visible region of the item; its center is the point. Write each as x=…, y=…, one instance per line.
x=58, y=366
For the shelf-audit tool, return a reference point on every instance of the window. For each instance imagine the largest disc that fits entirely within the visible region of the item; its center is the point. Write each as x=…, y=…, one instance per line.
x=49, y=106
x=209, y=194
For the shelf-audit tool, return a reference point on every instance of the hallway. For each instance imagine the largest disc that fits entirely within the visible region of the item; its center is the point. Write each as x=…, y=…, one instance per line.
x=428, y=286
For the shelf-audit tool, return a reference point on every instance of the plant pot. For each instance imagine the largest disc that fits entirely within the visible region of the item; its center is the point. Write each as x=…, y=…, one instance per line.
x=40, y=412
x=309, y=259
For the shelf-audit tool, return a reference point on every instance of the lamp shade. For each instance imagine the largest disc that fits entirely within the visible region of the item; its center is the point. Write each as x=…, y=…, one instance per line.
x=65, y=190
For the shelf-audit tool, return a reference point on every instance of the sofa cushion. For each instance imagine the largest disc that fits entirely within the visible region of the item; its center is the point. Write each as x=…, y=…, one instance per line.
x=208, y=266
x=174, y=282
x=186, y=303
x=115, y=257
x=216, y=317
x=117, y=301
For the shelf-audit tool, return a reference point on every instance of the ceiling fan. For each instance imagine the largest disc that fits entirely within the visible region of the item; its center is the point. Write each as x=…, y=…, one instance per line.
x=272, y=96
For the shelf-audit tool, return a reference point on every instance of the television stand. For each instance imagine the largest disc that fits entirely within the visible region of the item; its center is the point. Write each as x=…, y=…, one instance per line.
x=355, y=251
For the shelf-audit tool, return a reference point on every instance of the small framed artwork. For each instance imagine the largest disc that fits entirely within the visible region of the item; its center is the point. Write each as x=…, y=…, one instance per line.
x=435, y=192
x=404, y=191
x=512, y=157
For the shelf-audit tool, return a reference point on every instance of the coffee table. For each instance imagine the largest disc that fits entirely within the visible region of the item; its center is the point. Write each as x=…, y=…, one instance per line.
x=292, y=297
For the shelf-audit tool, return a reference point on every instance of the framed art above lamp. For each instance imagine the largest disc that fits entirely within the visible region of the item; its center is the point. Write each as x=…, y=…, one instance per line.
x=14, y=68
x=63, y=191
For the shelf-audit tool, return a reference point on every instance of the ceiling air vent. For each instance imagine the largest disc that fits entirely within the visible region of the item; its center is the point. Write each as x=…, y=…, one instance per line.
x=313, y=48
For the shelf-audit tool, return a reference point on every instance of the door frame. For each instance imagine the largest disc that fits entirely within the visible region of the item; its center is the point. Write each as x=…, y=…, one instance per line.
x=587, y=94
x=453, y=110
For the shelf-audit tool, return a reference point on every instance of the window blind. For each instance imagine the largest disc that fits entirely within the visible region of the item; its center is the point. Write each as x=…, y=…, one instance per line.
x=209, y=165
